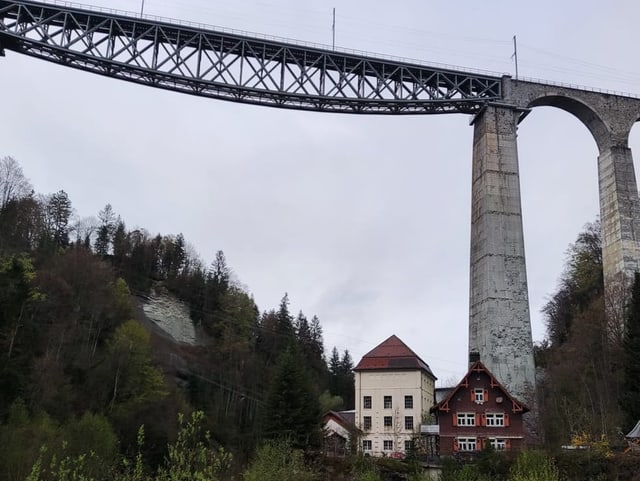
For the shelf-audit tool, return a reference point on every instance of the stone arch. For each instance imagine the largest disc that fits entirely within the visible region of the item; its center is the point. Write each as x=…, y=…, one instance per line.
x=598, y=127
x=609, y=118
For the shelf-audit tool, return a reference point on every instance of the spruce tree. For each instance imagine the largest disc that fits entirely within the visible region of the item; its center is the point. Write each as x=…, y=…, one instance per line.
x=347, y=382
x=292, y=408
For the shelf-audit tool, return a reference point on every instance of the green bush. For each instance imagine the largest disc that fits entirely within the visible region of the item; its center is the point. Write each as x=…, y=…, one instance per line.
x=277, y=460
x=533, y=465
x=190, y=458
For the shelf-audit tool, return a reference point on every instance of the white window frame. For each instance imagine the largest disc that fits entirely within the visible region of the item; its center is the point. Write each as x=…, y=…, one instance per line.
x=478, y=395
x=387, y=445
x=499, y=444
x=367, y=426
x=408, y=402
x=467, y=444
x=388, y=402
x=410, y=421
x=494, y=420
x=466, y=419
x=367, y=400
x=390, y=422
x=367, y=445
x=408, y=444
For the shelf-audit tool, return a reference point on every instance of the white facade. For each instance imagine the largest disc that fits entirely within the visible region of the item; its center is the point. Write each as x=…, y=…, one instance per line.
x=390, y=405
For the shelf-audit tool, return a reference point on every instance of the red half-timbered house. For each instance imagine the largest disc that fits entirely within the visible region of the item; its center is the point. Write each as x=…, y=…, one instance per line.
x=477, y=412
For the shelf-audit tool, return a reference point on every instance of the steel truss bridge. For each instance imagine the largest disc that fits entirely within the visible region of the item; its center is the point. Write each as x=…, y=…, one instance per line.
x=209, y=63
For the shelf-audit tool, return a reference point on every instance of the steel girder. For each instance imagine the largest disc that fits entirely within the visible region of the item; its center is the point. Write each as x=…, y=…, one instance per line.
x=236, y=67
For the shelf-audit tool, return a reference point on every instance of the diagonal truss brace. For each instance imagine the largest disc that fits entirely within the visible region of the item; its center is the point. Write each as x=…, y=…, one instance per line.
x=234, y=67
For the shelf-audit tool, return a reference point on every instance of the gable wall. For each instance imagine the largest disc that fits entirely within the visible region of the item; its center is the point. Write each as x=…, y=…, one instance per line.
x=461, y=403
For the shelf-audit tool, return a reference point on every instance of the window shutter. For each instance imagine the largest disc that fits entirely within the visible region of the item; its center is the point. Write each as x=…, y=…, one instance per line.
x=486, y=395
x=454, y=419
x=506, y=420
x=478, y=419
x=455, y=445
x=507, y=443
x=480, y=444
x=483, y=419
x=472, y=395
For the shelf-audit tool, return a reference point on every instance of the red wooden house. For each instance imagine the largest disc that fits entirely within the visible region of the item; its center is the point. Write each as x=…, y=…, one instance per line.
x=477, y=412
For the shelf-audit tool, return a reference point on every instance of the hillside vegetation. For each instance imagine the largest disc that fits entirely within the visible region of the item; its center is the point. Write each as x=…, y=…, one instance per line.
x=90, y=389
x=589, y=388
x=81, y=371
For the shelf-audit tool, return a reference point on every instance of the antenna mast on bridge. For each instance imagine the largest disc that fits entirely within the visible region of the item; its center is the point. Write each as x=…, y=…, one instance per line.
x=333, y=28
x=515, y=54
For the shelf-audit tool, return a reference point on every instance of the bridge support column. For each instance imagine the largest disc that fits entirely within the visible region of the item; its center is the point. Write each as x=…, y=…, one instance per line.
x=499, y=323
x=619, y=214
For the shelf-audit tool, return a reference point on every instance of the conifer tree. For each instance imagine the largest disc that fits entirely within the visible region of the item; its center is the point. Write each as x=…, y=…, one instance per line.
x=105, y=231
x=58, y=214
x=342, y=382
x=292, y=409
x=347, y=383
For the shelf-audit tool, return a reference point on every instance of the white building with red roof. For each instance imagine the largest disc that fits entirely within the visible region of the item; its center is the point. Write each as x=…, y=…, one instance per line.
x=394, y=391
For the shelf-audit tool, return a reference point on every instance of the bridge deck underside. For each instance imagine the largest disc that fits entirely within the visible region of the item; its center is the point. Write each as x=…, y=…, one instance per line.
x=235, y=67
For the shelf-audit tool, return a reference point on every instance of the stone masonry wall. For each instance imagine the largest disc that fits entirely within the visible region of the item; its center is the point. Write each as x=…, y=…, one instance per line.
x=499, y=323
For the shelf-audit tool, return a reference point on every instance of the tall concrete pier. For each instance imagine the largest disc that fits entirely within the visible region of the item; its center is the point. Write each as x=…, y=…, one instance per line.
x=499, y=323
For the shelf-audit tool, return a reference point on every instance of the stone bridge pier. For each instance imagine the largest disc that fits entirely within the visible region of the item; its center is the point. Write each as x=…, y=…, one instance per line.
x=499, y=319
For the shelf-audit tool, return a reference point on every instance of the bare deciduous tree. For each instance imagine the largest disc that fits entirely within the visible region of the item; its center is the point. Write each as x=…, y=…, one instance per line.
x=13, y=183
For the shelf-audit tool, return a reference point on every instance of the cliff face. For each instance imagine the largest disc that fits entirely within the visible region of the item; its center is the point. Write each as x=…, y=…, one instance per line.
x=170, y=315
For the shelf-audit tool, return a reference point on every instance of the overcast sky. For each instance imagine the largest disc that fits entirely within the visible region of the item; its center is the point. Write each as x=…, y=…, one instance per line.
x=363, y=220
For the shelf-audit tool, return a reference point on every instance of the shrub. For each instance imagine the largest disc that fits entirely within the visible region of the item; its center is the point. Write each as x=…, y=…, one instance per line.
x=534, y=466
x=277, y=461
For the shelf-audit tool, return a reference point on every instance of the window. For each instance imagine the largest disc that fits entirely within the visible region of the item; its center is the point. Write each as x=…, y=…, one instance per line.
x=478, y=395
x=466, y=419
x=366, y=444
x=408, y=402
x=366, y=423
x=408, y=446
x=498, y=444
x=388, y=421
x=388, y=445
x=366, y=402
x=387, y=402
x=466, y=444
x=494, y=419
x=408, y=423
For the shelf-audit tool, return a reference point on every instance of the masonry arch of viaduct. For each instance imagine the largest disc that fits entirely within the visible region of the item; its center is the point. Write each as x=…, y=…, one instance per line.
x=499, y=306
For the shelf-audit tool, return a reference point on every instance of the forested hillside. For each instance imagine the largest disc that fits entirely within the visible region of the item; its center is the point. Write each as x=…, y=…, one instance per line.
x=589, y=385
x=78, y=363
x=89, y=385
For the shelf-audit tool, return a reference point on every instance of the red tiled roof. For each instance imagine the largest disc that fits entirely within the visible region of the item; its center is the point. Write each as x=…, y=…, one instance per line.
x=392, y=354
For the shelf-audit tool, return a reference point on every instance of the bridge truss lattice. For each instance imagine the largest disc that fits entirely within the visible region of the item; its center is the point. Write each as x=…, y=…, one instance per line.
x=236, y=67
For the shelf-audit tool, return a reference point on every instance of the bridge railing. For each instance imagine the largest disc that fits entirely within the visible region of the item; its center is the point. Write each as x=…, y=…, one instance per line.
x=274, y=38
x=324, y=47
x=578, y=87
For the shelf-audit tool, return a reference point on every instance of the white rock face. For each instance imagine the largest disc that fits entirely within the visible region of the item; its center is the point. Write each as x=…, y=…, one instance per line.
x=171, y=315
